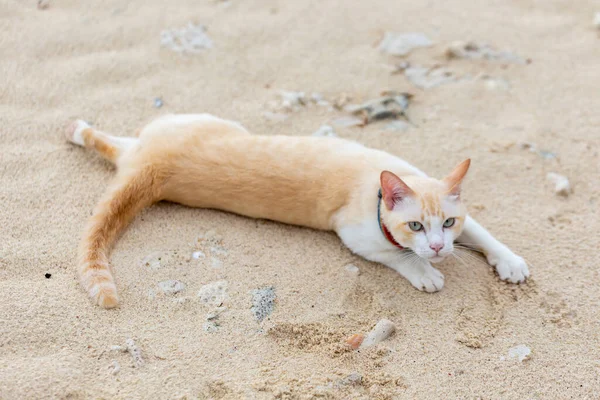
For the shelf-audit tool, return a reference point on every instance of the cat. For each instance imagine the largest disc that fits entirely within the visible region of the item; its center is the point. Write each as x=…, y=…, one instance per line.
x=381, y=207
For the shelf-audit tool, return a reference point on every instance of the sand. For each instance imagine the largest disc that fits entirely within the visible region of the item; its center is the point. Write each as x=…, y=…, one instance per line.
x=102, y=61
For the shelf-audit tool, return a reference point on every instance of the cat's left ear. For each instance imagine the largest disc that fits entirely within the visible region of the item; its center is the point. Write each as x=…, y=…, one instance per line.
x=456, y=176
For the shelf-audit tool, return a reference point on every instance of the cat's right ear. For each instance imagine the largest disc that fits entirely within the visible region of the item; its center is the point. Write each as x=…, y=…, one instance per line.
x=393, y=189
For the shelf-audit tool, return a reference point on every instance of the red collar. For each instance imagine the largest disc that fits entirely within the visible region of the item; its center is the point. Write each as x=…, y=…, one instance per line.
x=384, y=229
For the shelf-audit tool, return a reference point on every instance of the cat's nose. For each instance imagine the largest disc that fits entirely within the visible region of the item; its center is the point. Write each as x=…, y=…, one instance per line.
x=436, y=247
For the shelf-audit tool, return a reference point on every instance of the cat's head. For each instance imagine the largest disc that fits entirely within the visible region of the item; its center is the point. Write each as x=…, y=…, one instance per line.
x=424, y=214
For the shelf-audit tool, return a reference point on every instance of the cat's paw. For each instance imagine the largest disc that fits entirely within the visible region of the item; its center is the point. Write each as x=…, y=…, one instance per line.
x=430, y=280
x=510, y=267
x=74, y=131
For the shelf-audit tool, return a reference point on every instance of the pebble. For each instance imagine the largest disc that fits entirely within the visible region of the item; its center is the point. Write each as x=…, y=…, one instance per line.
x=380, y=332
x=115, y=367
x=325, y=131
x=189, y=39
x=171, y=286
x=263, y=302
x=427, y=78
x=214, y=293
x=562, y=186
x=158, y=103
x=135, y=352
x=352, y=379
x=43, y=4
x=521, y=351
x=597, y=20
x=400, y=44
x=352, y=269
x=152, y=260
x=355, y=340
x=198, y=254
x=472, y=50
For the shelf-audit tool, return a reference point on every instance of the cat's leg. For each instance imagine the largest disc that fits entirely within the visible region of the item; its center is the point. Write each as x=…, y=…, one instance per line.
x=419, y=272
x=109, y=147
x=510, y=266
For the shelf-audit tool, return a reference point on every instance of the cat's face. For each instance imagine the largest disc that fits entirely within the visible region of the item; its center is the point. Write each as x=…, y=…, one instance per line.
x=425, y=214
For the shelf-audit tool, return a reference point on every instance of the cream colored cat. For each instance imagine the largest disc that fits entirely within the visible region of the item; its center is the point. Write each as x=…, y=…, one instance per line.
x=382, y=208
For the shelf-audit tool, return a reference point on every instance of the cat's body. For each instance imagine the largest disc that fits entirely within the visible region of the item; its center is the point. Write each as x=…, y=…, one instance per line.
x=318, y=182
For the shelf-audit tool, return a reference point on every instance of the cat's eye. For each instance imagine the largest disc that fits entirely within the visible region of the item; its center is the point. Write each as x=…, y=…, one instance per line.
x=449, y=222
x=415, y=226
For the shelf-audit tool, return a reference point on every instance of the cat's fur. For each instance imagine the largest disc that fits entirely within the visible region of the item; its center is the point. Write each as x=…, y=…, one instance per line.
x=319, y=182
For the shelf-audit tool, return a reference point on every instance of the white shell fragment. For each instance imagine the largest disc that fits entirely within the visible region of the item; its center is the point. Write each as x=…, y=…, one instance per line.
x=400, y=44
x=189, y=39
x=597, y=20
x=352, y=270
x=171, y=286
x=214, y=293
x=562, y=186
x=521, y=351
x=475, y=51
x=382, y=331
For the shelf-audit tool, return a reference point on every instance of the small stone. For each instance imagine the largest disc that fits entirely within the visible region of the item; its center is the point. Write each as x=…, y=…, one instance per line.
x=48, y=275
x=115, y=367
x=214, y=293
x=171, y=286
x=135, y=352
x=355, y=340
x=43, y=4
x=353, y=379
x=562, y=186
x=188, y=39
x=198, y=254
x=427, y=78
x=548, y=155
x=118, y=348
x=352, y=270
x=210, y=326
x=496, y=83
x=597, y=20
x=380, y=332
x=473, y=51
x=521, y=351
x=158, y=103
x=400, y=44
x=325, y=131
x=152, y=261
x=263, y=302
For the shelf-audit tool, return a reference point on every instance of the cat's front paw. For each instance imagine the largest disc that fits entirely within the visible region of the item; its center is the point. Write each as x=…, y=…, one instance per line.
x=510, y=267
x=430, y=280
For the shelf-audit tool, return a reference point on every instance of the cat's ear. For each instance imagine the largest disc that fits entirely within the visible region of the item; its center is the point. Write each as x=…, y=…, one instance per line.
x=393, y=189
x=455, y=178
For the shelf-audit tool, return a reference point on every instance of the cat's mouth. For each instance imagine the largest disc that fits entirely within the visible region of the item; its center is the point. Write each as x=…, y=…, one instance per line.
x=436, y=259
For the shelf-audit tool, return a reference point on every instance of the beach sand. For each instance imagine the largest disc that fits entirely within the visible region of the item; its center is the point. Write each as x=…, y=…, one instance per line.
x=102, y=61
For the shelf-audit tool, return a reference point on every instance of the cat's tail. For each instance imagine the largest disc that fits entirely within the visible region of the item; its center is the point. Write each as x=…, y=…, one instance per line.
x=131, y=192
